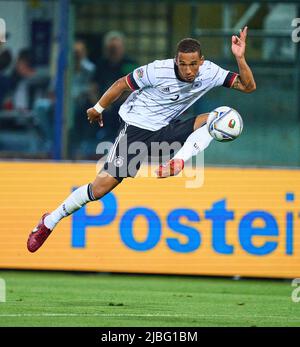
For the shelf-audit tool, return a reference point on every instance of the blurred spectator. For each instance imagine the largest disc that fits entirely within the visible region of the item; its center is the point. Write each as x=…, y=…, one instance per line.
x=20, y=76
x=84, y=71
x=81, y=92
x=28, y=83
x=113, y=65
x=5, y=81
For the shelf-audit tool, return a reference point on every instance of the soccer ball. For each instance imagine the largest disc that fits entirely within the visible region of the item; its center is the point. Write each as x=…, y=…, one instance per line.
x=224, y=124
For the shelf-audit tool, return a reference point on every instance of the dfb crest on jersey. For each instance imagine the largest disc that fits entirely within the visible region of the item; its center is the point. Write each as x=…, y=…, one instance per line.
x=197, y=84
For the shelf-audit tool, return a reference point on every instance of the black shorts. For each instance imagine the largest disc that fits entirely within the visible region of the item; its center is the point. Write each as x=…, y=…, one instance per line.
x=133, y=145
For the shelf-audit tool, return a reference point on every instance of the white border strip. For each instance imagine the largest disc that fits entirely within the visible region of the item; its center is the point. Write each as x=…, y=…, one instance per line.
x=111, y=315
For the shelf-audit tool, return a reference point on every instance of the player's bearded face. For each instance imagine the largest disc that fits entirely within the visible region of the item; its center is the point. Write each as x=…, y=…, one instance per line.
x=188, y=65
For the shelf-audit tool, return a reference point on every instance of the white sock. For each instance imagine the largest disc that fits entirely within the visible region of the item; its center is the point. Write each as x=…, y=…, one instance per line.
x=195, y=143
x=74, y=202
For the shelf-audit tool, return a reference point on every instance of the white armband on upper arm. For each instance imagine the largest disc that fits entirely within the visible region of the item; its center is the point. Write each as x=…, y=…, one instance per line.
x=195, y=143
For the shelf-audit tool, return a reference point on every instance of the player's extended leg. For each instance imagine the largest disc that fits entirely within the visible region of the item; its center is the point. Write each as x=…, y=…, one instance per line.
x=196, y=142
x=102, y=185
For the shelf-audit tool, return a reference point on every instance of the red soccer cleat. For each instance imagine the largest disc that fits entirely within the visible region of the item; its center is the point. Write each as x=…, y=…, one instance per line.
x=38, y=235
x=172, y=168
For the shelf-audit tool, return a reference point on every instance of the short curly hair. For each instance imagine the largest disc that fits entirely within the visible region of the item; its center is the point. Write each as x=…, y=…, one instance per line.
x=189, y=45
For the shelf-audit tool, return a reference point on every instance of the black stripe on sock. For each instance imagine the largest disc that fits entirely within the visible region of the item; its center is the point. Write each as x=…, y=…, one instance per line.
x=90, y=192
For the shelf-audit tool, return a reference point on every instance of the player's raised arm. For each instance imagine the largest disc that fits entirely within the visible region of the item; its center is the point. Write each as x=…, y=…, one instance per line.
x=244, y=81
x=94, y=114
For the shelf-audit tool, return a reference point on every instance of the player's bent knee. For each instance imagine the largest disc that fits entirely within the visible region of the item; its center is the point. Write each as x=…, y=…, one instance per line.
x=200, y=120
x=100, y=190
x=103, y=184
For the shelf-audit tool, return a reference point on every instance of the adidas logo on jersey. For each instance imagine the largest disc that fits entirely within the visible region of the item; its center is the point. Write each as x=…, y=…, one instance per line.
x=165, y=90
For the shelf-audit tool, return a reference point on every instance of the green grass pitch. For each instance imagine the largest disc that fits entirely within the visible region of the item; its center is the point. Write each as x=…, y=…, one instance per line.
x=52, y=299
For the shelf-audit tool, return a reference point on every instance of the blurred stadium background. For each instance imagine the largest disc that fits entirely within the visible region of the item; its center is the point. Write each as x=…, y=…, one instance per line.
x=56, y=60
x=34, y=125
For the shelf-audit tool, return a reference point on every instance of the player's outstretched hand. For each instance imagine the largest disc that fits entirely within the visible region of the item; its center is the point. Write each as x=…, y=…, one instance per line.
x=238, y=44
x=171, y=168
x=94, y=116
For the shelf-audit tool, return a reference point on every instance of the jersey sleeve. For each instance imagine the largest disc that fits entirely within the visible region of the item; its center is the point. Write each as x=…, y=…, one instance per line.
x=222, y=77
x=142, y=77
x=230, y=78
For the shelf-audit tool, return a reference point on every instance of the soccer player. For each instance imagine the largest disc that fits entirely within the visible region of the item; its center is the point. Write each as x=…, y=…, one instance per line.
x=161, y=91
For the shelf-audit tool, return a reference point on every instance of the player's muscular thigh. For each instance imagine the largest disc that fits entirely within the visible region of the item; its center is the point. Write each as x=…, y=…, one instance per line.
x=200, y=120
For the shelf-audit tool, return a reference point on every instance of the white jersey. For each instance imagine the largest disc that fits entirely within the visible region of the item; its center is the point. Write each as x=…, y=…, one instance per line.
x=160, y=95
